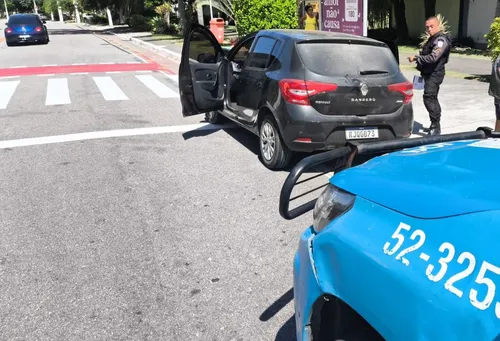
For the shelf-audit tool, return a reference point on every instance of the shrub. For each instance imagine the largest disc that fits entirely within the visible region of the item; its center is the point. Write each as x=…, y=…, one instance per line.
x=493, y=38
x=255, y=15
x=139, y=22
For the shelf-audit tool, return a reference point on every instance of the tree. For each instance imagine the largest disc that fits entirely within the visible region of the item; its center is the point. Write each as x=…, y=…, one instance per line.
x=400, y=16
x=430, y=8
x=255, y=15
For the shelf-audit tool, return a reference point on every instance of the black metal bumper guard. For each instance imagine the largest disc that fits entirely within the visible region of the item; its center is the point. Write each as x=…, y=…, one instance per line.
x=344, y=156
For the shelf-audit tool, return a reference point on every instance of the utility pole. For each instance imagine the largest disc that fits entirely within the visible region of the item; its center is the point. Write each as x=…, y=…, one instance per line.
x=35, y=7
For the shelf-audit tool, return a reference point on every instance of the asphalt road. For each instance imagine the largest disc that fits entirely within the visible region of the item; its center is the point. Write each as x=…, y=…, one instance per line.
x=123, y=220
x=120, y=219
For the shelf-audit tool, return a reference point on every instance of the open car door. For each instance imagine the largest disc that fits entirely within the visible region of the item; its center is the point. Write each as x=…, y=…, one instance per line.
x=201, y=83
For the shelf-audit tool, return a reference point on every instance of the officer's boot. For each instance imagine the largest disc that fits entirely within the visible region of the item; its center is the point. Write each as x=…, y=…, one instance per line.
x=435, y=128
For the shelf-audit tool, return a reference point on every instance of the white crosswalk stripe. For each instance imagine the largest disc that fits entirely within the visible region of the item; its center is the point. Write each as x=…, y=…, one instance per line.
x=7, y=89
x=109, y=89
x=62, y=90
x=57, y=92
x=160, y=89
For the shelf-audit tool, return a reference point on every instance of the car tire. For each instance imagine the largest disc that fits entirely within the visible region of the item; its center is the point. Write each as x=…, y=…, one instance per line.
x=213, y=117
x=273, y=151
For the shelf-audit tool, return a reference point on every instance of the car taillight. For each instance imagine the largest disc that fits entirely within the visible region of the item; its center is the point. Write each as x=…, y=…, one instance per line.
x=8, y=30
x=38, y=29
x=298, y=91
x=405, y=88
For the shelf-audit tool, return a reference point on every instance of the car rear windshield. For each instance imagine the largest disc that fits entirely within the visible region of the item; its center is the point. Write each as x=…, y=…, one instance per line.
x=23, y=20
x=339, y=59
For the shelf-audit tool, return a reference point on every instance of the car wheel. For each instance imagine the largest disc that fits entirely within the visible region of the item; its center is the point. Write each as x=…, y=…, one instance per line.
x=213, y=117
x=273, y=151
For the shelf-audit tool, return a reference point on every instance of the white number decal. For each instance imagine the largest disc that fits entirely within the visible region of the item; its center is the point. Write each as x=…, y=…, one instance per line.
x=448, y=253
x=443, y=261
x=462, y=274
x=490, y=294
x=421, y=239
x=396, y=235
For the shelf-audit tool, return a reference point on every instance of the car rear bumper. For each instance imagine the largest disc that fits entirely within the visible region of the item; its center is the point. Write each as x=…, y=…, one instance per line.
x=328, y=132
x=25, y=38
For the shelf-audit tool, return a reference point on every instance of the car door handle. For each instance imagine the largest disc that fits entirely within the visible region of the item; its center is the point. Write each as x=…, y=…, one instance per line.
x=210, y=76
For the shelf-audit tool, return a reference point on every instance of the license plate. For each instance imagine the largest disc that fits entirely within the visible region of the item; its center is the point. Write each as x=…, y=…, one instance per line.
x=361, y=133
x=24, y=36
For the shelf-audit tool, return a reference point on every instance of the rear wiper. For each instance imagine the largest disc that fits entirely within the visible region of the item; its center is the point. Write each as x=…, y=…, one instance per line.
x=372, y=72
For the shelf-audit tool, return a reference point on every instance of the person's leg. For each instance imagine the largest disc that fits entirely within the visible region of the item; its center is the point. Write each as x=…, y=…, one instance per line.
x=431, y=102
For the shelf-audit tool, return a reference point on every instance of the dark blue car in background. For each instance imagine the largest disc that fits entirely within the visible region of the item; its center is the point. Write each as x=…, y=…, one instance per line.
x=26, y=28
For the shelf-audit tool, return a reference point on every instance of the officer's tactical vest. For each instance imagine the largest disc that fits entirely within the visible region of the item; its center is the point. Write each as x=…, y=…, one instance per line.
x=427, y=49
x=494, y=89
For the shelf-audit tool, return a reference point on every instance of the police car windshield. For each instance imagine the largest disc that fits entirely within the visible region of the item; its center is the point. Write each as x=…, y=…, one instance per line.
x=339, y=59
x=23, y=20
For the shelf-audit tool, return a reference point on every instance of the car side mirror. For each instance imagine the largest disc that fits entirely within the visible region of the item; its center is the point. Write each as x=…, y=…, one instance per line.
x=206, y=58
x=6, y=23
x=43, y=21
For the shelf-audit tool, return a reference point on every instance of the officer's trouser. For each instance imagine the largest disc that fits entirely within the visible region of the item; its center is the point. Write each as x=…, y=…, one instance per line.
x=431, y=90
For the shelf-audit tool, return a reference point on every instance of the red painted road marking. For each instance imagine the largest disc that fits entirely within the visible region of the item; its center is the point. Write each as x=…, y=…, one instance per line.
x=87, y=68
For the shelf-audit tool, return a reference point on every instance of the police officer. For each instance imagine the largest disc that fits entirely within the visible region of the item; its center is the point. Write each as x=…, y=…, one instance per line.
x=430, y=63
x=494, y=90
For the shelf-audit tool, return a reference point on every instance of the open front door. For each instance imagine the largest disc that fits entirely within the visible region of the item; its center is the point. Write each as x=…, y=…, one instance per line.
x=201, y=85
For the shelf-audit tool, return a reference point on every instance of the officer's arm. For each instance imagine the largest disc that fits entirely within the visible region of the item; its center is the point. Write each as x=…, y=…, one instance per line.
x=440, y=46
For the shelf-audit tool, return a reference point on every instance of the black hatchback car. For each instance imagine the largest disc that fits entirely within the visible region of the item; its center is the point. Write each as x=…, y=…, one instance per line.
x=298, y=90
x=26, y=28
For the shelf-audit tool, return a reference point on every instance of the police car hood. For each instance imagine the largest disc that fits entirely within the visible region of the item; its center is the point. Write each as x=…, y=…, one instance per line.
x=432, y=181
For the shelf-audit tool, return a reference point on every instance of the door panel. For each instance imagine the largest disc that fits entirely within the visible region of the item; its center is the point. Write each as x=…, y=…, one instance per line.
x=201, y=86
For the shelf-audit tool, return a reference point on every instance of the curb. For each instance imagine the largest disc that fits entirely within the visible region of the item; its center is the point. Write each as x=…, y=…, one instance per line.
x=137, y=41
x=151, y=46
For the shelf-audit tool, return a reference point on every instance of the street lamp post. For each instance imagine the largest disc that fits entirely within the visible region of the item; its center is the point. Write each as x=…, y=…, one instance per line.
x=35, y=7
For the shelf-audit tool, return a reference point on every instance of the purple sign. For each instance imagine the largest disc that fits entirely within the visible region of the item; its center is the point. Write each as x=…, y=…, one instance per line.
x=345, y=16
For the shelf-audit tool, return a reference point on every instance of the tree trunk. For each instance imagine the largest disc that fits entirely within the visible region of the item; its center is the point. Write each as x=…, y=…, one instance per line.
x=182, y=16
x=497, y=11
x=430, y=8
x=400, y=17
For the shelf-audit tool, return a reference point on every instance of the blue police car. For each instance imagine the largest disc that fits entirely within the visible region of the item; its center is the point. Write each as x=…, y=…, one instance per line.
x=404, y=246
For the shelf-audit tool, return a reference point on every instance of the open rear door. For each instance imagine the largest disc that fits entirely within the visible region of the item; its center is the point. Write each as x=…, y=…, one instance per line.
x=201, y=86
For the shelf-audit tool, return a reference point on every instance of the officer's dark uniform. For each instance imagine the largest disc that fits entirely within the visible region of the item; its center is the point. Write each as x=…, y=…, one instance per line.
x=430, y=63
x=494, y=89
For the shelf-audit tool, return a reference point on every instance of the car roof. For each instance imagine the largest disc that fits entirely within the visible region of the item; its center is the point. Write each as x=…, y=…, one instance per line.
x=431, y=181
x=24, y=15
x=303, y=35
